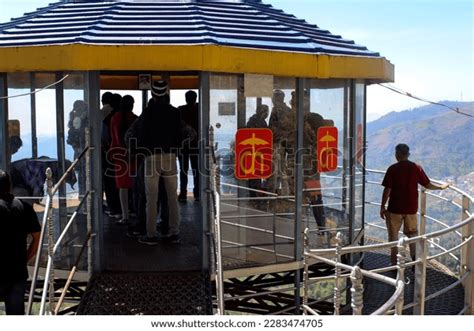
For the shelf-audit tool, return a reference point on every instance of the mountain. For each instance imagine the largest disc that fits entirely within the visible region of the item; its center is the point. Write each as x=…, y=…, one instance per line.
x=439, y=139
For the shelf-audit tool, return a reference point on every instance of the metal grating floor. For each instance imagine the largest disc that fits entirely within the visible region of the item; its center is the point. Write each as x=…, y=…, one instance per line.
x=184, y=293
x=377, y=293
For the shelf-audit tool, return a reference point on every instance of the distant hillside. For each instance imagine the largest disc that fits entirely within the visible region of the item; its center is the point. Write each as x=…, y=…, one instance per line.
x=441, y=140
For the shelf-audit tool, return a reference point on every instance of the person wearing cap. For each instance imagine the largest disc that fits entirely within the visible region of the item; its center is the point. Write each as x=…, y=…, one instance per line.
x=161, y=137
x=401, y=191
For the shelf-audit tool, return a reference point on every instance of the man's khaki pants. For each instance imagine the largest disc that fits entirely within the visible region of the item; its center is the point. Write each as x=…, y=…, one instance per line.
x=410, y=229
x=156, y=166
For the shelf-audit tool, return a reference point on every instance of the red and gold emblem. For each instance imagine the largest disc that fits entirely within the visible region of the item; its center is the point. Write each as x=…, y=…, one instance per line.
x=327, y=149
x=253, y=153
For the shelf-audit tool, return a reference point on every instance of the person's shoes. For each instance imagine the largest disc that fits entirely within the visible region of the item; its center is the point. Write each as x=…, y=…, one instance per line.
x=123, y=221
x=112, y=215
x=134, y=234
x=171, y=239
x=183, y=197
x=196, y=198
x=151, y=241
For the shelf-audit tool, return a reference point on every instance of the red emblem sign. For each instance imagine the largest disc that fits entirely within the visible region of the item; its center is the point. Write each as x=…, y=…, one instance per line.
x=253, y=153
x=327, y=148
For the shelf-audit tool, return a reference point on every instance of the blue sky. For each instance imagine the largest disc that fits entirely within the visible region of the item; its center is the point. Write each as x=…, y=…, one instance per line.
x=430, y=42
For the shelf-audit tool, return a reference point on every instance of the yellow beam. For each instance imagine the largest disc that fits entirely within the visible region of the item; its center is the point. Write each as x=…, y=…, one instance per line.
x=79, y=57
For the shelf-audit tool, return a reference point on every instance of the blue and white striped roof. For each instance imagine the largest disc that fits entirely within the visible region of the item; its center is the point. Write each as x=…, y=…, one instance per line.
x=244, y=24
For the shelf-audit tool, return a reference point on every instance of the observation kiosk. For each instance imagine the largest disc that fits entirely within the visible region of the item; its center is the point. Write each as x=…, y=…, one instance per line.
x=254, y=241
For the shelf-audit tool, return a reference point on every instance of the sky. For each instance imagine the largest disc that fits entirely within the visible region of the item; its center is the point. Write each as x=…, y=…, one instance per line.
x=430, y=42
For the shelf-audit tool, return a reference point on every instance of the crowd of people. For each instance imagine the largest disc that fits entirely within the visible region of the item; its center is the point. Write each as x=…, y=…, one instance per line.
x=139, y=162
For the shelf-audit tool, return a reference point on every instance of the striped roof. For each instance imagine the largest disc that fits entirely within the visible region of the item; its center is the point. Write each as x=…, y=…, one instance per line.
x=244, y=24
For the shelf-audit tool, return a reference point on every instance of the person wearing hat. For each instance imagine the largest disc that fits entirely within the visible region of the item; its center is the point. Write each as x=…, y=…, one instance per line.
x=161, y=137
x=401, y=191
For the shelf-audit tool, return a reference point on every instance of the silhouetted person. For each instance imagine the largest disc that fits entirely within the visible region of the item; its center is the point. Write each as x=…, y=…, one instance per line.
x=108, y=178
x=190, y=150
x=123, y=164
x=162, y=138
x=401, y=190
x=78, y=122
x=18, y=220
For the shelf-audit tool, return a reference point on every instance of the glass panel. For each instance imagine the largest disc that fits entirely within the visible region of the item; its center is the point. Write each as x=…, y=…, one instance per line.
x=326, y=194
x=76, y=120
x=359, y=157
x=257, y=215
x=19, y=116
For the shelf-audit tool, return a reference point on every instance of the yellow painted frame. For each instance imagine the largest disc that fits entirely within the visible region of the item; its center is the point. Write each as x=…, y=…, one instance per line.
x=83, y=57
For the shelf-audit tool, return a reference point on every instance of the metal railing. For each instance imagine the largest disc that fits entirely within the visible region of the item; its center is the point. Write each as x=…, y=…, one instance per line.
x=466, y=225
x=52, y=245
x=464, y=230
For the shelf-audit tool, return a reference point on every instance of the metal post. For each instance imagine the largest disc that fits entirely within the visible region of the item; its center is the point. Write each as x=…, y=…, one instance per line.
x=420, y=277
x=420, y=268
x=298, y=171
x=357, y=291
x=305, y=272
x=49, y=268
x=402, y=253
x=204, y=150
x=34, y=138
x=351, y=142
x=89, y=188
x=61, y=153
x=337, y=275
x=422, y=227
x=467, y=258
x=4, y=146
x=219, y=269
x=92, y=95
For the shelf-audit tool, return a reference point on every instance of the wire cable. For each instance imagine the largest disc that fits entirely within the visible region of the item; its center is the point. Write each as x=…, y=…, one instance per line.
x=35, y=91
x=410, y=95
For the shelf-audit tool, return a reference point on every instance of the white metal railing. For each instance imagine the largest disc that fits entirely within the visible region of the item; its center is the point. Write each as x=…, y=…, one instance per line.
x=464, y=230
x=53, y=245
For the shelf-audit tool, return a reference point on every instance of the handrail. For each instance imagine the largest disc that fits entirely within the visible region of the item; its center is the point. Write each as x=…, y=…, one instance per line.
x=72, y=273
x=356, y=276
x=69, y=170
x=46, y=224
x=422, y=239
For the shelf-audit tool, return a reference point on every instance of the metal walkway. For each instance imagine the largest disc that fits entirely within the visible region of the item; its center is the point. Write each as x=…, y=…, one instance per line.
x=122, y=253
x=150, y=280
x=177, y=293
x=377, y=293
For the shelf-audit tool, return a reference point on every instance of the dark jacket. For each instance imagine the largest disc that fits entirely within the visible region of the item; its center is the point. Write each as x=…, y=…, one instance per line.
x=161, y=128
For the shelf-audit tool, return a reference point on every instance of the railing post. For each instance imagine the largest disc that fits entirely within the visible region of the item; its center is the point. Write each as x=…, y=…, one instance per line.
x=50, y=268
x=215, y=186
x=467, y=258
x=422, y=227
x=402, y=253
x=305, y=272
x=420, y=277
x=337, y=275
x=421, y=254
x=357, y=291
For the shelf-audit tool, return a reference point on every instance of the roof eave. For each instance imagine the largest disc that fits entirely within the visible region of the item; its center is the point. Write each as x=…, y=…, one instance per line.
x=213, y=58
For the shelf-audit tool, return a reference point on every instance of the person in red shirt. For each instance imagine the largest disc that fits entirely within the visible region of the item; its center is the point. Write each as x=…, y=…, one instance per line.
x=401, y=191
